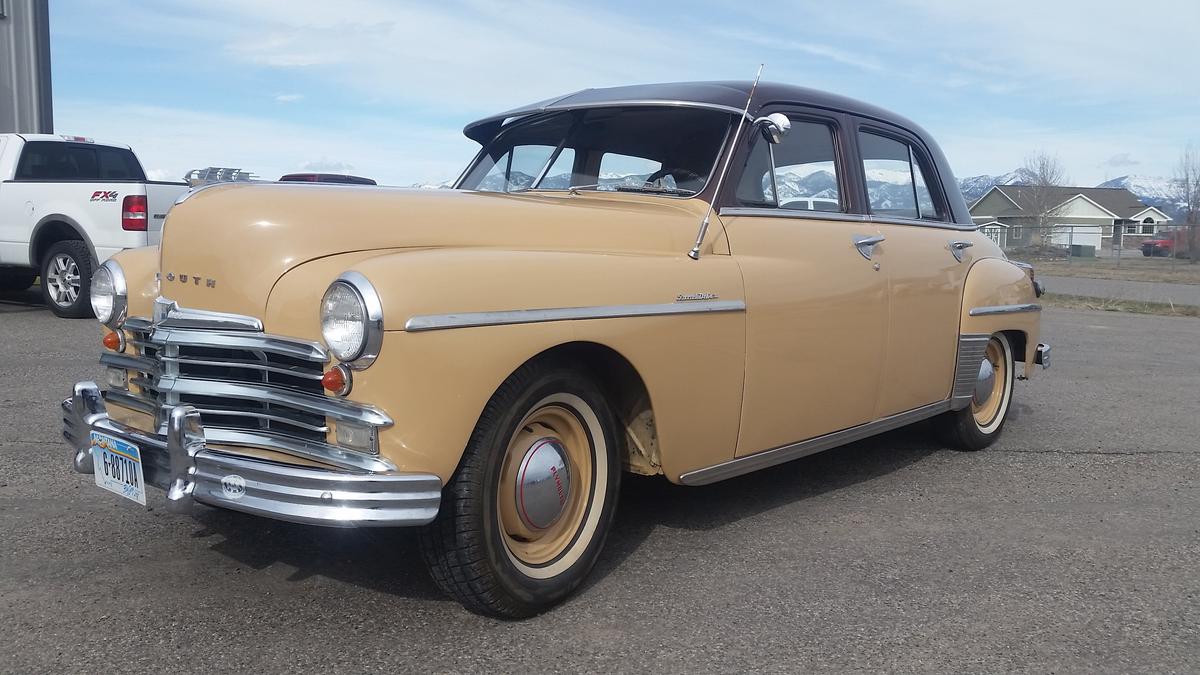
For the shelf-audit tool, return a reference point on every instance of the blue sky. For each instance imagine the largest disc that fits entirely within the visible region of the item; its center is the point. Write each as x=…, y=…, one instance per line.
x=383, y=88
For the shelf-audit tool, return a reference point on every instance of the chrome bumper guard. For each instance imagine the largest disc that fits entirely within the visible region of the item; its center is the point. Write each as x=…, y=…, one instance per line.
x=181, y=464
x=1043, y=355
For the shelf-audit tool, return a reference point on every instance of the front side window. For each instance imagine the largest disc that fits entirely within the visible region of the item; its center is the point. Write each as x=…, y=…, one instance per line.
x=896, y=185
x=656, y=150
x=804, y=171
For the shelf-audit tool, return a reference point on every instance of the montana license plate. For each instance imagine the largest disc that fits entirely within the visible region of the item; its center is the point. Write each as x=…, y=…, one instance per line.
x=118, y=467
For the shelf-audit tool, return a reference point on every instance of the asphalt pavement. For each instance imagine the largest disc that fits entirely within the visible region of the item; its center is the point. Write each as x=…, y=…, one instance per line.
x=1071, y=546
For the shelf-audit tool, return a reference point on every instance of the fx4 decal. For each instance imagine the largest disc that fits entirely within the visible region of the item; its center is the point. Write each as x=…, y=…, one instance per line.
x=104, y=196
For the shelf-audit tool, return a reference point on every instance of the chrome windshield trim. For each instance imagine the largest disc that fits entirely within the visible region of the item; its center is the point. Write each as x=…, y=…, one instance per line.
x=168, y=314
x=786, y=453
x=428, y=322
x=1004, y=309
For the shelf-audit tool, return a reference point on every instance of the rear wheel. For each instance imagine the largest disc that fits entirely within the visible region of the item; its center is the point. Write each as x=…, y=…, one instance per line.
x=66, y=276
x=524, y=518
x=979, y=424
x=12, y=280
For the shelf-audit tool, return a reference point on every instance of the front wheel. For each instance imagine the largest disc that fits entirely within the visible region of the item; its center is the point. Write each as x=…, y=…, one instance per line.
x=977, y=426
x=524, y=518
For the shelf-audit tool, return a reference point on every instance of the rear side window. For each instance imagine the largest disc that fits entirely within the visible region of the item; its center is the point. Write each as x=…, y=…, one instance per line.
x=48, y=160
x=896, y=185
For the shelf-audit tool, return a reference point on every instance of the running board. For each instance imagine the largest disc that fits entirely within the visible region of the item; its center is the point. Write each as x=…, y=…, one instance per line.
x=786, y=453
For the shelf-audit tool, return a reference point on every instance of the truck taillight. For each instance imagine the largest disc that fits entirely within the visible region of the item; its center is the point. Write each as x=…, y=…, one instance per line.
x=133, y=213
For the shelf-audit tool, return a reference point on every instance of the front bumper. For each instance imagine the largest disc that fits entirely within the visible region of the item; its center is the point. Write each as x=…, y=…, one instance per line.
x=180, y=463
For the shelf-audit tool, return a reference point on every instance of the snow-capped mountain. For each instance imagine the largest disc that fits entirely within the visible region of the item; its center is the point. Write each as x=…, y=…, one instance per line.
x=1152, y=190
x=973, y=187
x=1153, y=187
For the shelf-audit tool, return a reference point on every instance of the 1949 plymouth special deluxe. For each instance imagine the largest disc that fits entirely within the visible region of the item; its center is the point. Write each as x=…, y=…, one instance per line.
x=688, y=280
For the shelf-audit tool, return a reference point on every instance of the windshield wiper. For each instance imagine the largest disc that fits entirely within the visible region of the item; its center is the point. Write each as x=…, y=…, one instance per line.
x=616, y=187
x=655, y=189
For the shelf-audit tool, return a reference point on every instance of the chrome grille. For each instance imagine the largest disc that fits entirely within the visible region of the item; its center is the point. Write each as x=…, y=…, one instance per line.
x=184, y=371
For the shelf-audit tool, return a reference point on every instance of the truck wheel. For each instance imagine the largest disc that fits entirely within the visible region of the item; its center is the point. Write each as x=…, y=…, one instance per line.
x=524, y=518
x=977, y=426
x=66, y=276
x=16, y=280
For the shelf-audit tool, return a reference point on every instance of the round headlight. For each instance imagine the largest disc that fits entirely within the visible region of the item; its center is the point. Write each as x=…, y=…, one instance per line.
x=352, y=320
x=109, y=295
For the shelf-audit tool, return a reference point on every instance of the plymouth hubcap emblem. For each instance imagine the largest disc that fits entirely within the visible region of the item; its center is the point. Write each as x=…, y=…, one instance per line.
x=543, y=483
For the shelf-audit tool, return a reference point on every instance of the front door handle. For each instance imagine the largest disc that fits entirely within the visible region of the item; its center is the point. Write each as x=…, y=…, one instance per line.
x=957, y=247
x=866, y=245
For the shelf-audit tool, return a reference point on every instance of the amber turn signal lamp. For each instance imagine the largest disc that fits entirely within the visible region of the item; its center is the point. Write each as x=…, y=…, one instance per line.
x=337, y=380
x=112, y=341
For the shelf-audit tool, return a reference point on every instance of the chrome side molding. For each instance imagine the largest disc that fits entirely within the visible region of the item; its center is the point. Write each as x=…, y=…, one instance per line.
x=786, y=453
x=427, y=322
x=1004, y=309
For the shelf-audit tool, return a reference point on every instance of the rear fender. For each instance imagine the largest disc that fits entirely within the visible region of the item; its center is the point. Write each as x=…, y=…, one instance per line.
x=999, y=297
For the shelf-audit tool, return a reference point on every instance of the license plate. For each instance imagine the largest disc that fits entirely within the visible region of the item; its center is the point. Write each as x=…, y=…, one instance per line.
x=118, y=467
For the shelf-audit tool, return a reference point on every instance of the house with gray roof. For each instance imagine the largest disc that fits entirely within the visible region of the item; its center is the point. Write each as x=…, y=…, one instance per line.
x=1022, y=215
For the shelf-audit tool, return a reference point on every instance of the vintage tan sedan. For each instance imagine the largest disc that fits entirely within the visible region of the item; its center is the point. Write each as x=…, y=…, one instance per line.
x=687, y=280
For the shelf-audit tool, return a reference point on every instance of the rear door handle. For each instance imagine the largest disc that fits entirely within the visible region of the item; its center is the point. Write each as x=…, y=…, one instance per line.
x=866, y=245
x=957, y=247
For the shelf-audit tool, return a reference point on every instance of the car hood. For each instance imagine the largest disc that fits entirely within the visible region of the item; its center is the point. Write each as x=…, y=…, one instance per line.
x=225, y=247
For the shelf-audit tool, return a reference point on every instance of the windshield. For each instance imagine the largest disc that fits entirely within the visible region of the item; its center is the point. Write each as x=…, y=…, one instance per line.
x=664, y=150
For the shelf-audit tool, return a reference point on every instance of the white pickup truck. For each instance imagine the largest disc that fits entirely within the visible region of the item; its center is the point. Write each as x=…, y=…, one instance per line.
x=67, y=203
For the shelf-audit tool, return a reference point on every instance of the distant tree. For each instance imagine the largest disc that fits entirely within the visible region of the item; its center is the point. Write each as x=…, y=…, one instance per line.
x=1187, y=195
x=1043, y=171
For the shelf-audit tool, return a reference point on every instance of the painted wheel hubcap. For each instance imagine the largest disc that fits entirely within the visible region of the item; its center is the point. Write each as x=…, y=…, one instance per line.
x=543, y=483
x=988, y=400
x=62, y=280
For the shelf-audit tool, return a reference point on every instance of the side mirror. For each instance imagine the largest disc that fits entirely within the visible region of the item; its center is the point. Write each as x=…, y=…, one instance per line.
x=774, y=127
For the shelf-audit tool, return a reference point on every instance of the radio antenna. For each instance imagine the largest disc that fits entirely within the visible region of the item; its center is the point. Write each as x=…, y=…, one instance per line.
x=694, y=254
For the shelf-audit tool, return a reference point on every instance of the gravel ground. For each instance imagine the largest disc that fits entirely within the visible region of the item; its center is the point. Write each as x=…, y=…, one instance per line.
x=1118, y=289
x=1071, y=545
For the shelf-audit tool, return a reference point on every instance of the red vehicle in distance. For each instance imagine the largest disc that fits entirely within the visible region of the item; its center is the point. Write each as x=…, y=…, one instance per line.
x=1166, y=243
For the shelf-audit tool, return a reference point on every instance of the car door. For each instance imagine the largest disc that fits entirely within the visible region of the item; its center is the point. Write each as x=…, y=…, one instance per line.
x=816, y=297
x=926, y=257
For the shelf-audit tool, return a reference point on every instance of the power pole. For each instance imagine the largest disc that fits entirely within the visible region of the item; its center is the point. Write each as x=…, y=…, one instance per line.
x=25, y=101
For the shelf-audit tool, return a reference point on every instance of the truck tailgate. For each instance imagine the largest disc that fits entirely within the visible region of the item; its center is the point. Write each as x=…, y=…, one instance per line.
x=160, y=197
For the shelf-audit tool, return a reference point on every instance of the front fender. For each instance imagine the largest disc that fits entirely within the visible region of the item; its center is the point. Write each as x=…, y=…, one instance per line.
x=994, y=283
x=435, y=383
x=140, y=266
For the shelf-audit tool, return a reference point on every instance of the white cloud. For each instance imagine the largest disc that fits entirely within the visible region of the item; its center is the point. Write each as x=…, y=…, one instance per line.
x=326, y=165
x=288, y=98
